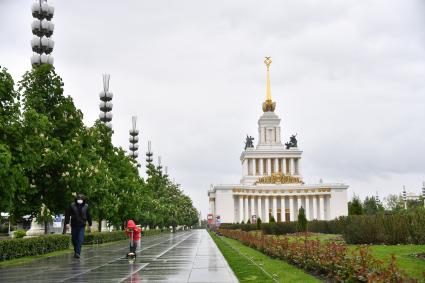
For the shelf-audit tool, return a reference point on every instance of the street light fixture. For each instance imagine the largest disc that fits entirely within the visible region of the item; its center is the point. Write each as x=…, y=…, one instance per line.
x=105, y=105
x=134, y=138
x=405, y=197
x=42, y=28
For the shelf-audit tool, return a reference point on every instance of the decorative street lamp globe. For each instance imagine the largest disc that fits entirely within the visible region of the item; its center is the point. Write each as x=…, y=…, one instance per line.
x=42, y=28
x=405, y=197
x=105, y=104
x=134, y=139
x=149, y=154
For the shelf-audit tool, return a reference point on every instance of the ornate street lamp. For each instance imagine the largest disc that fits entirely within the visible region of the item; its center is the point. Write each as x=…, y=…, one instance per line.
x=149, y=154
x=42, y=28
x=423, y=192
x=405, y=197
x=134, y=139
x=105, y=105
x=377, y=200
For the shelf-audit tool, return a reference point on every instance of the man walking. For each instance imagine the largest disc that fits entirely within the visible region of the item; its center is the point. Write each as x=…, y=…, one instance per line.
x=79, y=214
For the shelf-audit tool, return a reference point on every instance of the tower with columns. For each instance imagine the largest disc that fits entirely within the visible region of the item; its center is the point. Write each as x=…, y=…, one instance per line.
x=272, y=183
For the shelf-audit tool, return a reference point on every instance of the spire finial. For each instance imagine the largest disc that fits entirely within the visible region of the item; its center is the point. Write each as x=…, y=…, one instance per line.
x=268, y=105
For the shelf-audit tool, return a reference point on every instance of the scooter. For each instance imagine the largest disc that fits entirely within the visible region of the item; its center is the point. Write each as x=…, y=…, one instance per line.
x=131, y=256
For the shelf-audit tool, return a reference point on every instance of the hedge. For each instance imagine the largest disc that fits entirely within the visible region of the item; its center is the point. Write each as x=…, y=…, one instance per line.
x=406, y=227
x=103, y=237
x=14, y=248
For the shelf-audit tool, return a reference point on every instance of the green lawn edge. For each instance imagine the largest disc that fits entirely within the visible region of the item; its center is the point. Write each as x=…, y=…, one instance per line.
x=238, y=257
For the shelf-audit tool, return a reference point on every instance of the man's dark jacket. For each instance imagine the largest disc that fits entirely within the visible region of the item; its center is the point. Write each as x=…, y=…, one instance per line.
x=79, y=214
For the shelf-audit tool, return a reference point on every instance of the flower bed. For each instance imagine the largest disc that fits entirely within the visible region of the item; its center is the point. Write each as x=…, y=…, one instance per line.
x=329, y=259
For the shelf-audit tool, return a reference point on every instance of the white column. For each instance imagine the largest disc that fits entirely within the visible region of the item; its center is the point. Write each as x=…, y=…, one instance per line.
x=299, y=204
x=240, y=209
x=269, y=166
x=275, y=208
x=263, y=134
x=284, y=166
x=328, y=207
x=291, y=208
x=282, y=208
x=259, y=210
x=322, y=208
x=266, y=208
x=291, y=166
x=314, y=207
x=252, y=212
x=254, y=166
x=278, y=134
x=307, y=207
x=245, y=217
x=260, y=164
x=276, y=165
x=245, y=166
x=299, y=166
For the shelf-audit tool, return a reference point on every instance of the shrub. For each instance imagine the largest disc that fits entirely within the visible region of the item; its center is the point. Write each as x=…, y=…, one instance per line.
x=103, y=237
x=18, y=234
x=15, y=248
x=153, y=232
x=258, y=223
x=329, y=259
x=302, y=221
x=279, y=228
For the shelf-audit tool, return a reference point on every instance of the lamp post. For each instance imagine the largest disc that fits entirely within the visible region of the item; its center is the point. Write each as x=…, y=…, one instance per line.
x=149, y=154
x=42, y=28
x=423, y=192
x=405, y=197
x=134, y=139
x=105, y=105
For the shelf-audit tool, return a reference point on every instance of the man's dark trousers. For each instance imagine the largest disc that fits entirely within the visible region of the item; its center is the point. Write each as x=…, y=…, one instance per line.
x=77, y=233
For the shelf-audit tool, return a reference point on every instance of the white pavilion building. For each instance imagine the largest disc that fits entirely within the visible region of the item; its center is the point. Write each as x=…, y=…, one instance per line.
x=272, y=184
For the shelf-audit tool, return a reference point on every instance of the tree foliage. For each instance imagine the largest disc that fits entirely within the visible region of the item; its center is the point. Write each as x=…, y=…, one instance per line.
x=355, y=206
x=47, y=155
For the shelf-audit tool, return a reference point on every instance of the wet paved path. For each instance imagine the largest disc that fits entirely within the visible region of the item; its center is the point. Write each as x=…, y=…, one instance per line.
x=190, y=256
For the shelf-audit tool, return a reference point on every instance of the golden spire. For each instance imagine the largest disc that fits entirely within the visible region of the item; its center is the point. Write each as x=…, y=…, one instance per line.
x=268, y=105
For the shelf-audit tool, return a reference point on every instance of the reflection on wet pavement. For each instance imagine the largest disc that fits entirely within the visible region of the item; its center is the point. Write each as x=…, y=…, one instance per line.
x=190, y=256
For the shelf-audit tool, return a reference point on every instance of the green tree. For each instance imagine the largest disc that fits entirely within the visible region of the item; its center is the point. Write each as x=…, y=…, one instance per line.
x=12, y=176
x=258, y=223
x=394, y=202
x=302, y=220
x=370, y=206
x=355, y=206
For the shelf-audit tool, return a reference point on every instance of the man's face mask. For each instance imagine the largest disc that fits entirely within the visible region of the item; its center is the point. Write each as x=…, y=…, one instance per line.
x=79, y=201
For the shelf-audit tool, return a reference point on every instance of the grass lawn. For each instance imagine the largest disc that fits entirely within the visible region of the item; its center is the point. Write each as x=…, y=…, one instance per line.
x=247, y=264
x=413, y=266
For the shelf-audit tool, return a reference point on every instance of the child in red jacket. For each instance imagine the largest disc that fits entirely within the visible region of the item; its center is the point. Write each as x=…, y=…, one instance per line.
x=133, y=232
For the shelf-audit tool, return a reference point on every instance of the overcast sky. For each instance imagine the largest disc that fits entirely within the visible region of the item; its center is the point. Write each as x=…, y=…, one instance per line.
x=347, y=76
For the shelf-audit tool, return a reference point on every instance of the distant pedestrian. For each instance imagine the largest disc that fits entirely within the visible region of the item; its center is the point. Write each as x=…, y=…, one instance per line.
x=79, y=214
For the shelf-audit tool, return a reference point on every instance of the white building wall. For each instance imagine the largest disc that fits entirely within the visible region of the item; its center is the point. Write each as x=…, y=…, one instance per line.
x=224, y=205
x=338, y=203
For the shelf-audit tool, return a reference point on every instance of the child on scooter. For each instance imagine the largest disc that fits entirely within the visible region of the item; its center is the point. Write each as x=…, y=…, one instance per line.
x=133, y=232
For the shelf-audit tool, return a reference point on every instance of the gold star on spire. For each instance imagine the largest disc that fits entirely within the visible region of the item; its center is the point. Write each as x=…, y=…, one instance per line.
x=268, y=105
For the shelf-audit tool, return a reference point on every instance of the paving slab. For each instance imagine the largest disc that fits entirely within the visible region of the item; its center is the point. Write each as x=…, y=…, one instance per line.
x=189, y=256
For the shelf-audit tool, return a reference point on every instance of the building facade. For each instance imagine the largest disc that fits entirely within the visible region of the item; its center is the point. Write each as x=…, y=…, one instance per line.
x=272, y=183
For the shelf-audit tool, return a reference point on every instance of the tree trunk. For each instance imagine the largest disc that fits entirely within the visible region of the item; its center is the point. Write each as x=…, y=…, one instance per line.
x=99, y=225
x=46, y=227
